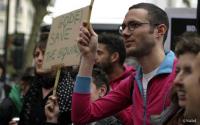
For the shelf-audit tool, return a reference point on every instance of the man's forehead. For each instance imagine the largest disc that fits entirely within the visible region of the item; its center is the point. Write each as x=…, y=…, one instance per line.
x=101, y=46
x=139, y=15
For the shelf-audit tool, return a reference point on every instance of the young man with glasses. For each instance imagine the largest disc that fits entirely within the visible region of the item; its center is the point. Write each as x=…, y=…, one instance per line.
x=144, y=31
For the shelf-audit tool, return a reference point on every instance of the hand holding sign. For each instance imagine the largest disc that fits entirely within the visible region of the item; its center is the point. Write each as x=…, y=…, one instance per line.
x=62, y=49
x=87, y=42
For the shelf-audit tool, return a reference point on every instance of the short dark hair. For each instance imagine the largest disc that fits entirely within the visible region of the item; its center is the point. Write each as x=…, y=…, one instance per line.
x=188, y=42
x=114, y=43
x=41, y=45
x=100, y=78
x=155, y=15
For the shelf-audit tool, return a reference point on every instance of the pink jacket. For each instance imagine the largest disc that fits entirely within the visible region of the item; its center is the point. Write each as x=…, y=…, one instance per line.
x=125, y=114
x=83, y=111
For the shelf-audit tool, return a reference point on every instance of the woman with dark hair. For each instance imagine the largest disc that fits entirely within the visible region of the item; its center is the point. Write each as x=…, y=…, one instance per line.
x=13, y=103
x=42, y=87
x=2, y=77
x=4, y=87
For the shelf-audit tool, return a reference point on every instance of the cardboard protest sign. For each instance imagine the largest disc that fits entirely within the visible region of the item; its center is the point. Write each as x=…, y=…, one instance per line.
x=62, y=47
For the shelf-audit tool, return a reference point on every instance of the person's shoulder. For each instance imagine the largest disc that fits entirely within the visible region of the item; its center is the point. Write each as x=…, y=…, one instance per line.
x=34, y=89
x=128, y=81
x=130, y=77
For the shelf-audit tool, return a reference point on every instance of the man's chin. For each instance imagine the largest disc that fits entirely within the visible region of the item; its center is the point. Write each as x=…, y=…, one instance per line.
x=130, y=51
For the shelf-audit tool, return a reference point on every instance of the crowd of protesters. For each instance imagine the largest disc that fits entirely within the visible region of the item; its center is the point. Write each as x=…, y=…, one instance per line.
x=163, y=89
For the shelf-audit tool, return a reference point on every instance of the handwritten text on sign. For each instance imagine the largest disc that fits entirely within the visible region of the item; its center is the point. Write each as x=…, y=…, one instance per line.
x=62, y=46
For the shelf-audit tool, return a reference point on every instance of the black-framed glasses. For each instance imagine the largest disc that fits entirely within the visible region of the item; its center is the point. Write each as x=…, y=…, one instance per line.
x=132, y=25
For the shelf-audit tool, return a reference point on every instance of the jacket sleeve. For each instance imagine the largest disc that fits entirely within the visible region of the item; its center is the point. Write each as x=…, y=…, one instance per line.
x=84, y=111
x=125, y=116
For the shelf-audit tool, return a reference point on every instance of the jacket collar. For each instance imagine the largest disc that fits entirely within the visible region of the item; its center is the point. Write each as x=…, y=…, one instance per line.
x=165, y=67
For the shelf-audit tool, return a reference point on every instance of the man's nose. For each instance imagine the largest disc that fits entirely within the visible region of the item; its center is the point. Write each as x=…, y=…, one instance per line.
x=179, y=78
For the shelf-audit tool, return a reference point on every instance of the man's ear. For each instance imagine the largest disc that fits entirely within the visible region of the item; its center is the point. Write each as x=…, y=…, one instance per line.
x=161, y=30
x=115, y=57
x=103, y=90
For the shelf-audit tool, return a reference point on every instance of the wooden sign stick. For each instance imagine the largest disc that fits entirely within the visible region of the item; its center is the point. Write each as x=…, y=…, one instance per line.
x=90, y=11
x=58, y=68
x=57, y=79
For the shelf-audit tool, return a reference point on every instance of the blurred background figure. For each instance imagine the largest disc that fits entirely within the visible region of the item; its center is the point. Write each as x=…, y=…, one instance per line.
x=4, y=87
x=33, y=112
x=2, y=76
x=11, y=106
x=26, y=80
x=111, y=55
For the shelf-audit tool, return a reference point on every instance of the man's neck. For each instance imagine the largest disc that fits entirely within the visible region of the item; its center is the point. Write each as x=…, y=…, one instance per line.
x=118, y=71
x=151, y=61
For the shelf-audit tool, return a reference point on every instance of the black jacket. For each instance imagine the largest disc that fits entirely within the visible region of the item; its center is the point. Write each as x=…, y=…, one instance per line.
x=8, y=110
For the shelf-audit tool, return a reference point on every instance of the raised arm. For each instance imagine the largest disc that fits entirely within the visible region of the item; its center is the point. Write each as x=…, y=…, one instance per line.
x=87, y=43
x=83, y=110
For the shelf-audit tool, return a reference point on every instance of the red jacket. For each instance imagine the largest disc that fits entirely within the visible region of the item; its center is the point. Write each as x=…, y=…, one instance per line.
x=83, y=111
x=125, y=114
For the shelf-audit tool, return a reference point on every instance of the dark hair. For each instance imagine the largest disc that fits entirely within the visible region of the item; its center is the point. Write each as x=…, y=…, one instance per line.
x=188, y=42
x=100, y=78
x=41, y=45
x=156, y=15
x=114, y=43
